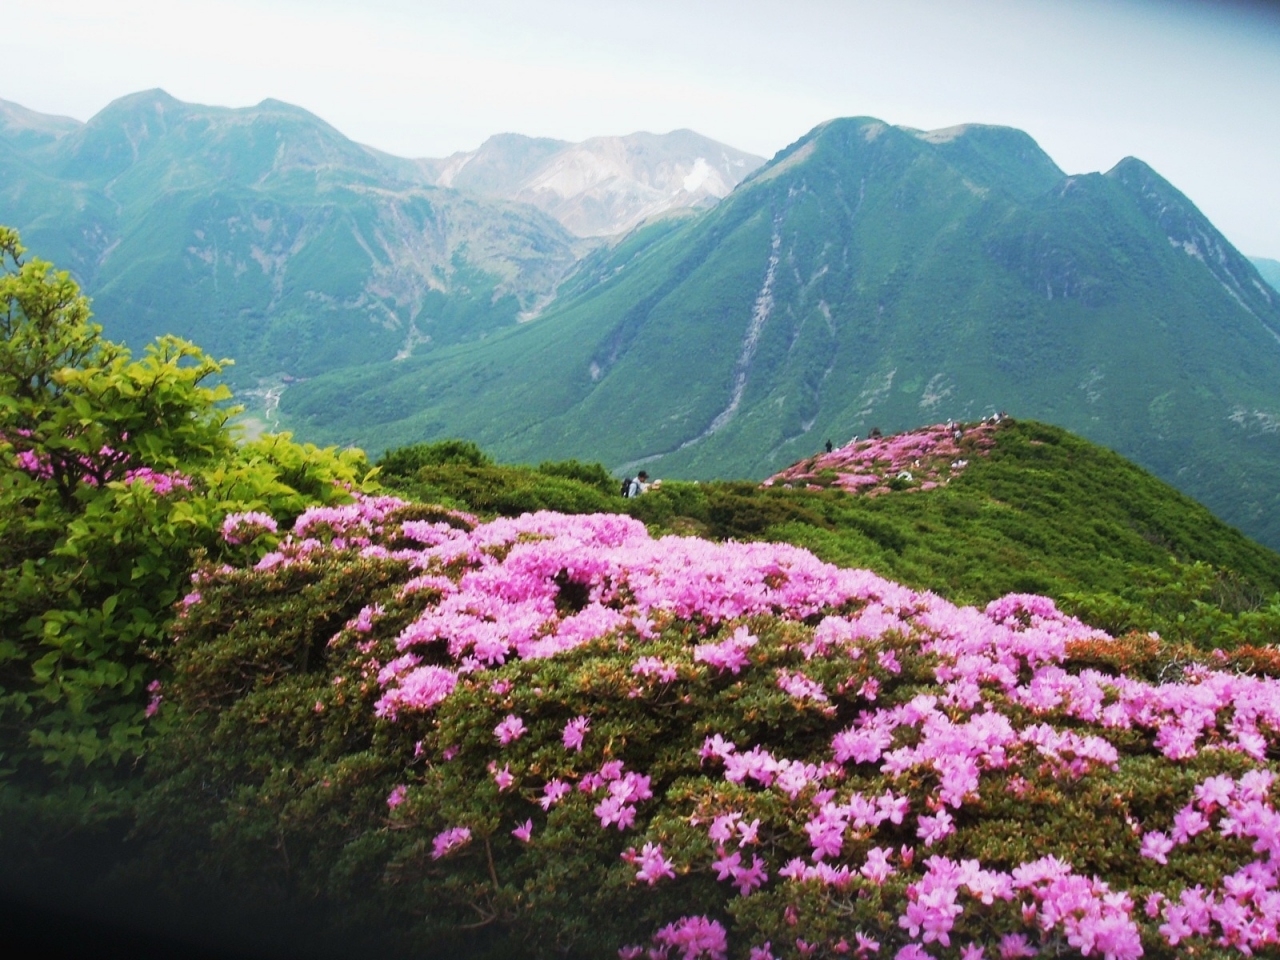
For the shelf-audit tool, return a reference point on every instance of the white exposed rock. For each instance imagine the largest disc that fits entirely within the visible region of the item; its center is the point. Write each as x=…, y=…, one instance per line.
x=601, y=187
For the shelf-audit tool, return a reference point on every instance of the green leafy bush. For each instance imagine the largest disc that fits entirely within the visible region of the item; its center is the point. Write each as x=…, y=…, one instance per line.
x=510, y=491
x=115, y=476
x=405, y=462
x=593, y=474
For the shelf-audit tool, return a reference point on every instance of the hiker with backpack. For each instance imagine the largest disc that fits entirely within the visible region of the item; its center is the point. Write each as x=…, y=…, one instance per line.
x=634, y=486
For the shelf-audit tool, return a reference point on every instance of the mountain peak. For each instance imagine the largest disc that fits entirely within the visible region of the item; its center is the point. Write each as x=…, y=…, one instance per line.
x=603, y=186
x=1188, y=229
x=27, y=128
x=987, y=157
x=156, y=99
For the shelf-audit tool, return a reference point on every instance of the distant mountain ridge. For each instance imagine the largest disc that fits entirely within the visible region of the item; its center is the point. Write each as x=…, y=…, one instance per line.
x=603, y=186
x=264, y=234
x=1269, y=270
x=868, y=275
x=876, y=276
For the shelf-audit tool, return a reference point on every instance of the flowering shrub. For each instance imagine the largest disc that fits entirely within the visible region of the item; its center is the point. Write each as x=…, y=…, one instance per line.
x=563, y=735
x=916, y=460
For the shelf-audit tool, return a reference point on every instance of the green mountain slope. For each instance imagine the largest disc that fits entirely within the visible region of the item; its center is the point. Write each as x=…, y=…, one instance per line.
x=874, y=276
x=267, y=236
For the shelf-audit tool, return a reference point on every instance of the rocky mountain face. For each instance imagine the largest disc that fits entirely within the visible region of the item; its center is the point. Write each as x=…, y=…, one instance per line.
x=873, y=276
x=265, y=235
x=601, y=187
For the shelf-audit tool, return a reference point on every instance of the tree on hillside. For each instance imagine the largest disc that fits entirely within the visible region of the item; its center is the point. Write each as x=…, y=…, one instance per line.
x=115, y=474
x=76, y=407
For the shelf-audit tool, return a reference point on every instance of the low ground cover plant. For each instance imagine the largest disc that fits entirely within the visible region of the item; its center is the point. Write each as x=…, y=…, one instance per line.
x=559, y=735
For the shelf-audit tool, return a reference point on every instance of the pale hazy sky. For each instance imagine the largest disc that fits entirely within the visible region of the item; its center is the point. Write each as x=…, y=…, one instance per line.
x=1190, y=86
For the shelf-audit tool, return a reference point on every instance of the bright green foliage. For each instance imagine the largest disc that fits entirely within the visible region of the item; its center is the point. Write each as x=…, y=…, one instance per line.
x=115, y=474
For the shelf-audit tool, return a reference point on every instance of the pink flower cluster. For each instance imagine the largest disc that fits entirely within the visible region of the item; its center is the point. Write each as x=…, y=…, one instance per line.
x=624, y=789
x=446, y=841
x=500, y=601
x=653, y=865
x=162, y=483
x=103, y=468
x=729, y=654
x=918, y=459
x=694, y=938
x=949, y=706
x=246, y=527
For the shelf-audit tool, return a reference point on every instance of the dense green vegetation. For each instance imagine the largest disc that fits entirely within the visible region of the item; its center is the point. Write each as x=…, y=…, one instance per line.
x=117, y=473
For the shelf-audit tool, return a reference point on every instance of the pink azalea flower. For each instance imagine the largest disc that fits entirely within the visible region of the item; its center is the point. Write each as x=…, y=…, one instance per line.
x=653, y=865
x=574, y=731
x=553, y=793
x=1014, y=946
x=446, y=841
x=1155, y=846
x=511, y=728
x=614, y=812
x=934, y=828
x=696, y=938
x=866, y=944
x=503, y=778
